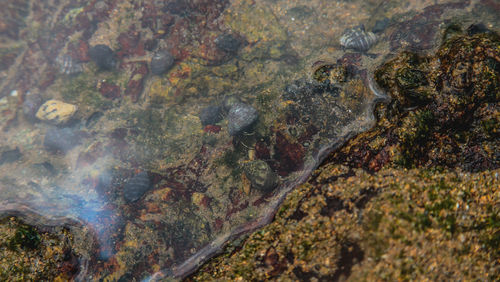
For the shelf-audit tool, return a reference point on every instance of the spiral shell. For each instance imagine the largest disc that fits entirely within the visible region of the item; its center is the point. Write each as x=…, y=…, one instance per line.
x=358, y=39
x=67, y=65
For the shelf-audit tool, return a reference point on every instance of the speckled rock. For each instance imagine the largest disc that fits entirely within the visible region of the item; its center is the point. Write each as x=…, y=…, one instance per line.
x=241, y=117
x=55, y=111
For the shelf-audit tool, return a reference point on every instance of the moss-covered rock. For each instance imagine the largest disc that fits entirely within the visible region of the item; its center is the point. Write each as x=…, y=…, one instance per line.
x=27, y=253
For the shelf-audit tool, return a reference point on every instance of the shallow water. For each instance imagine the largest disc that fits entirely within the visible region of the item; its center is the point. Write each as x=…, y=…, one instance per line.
x=159, y=171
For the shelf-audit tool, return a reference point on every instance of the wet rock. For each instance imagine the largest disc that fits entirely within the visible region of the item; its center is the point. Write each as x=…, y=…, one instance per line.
x=10, y=156
x=228, y=43
x=161, y=62
x=31, y=104
x=478, y=28
x=241, y=117
x=261, y=176
x=210, y=115
x=103, y=57
x=61, y=139
x=136, y=187
x=358, y=39
x=56, y=112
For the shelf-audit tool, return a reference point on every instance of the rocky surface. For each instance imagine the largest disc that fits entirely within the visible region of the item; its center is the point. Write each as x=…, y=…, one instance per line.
x=285, y=60
x=416, y=197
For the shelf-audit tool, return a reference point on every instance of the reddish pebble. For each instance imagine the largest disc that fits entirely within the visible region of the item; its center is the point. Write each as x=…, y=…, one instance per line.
x=212, y=128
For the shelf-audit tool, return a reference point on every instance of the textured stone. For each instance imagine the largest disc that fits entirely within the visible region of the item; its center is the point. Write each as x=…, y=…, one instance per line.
x=55, y=111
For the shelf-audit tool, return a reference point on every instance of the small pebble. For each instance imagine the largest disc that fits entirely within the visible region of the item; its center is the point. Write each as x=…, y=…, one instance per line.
x=103, y=57
x=161, y=62
x=56, y=112
x=136, y=187
x=228, y=43
x=61, y=139
x=477, y=28
x=241, y=117
x=261, y=176
x=210, y=115
x=10, y=156
x=31, y=104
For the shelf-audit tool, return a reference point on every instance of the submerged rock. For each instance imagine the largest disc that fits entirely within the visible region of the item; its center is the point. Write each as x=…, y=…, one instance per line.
x=61, y=139
x=56, y=112
x=228, y=43
x=261, y=176
x=31, y=104
x=10, y=156
x=210, y=115
x=161, y=62
x=103, y=57
x=136, y=187
x=241, y=117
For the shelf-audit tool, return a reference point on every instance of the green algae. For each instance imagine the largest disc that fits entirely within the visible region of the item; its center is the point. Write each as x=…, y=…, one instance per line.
x=25, y=237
